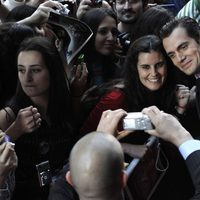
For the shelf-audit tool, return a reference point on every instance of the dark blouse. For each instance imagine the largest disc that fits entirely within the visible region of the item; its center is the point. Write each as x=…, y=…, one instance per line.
x=47, y=143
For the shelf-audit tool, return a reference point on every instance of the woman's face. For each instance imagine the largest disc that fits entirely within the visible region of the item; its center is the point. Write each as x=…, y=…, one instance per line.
x=152, y=70
x=33, y=74
x=106, y=36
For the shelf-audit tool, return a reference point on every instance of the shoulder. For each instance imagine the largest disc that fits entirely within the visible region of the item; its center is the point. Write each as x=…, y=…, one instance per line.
x=114, y=95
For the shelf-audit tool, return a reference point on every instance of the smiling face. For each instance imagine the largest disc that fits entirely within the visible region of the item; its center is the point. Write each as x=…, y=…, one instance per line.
x=128, y=11
x=152, y=70
x=183, y=50
x=106, y=36
x=33, y=74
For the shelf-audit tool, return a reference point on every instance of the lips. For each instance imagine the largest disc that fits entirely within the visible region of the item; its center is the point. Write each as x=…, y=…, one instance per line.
x=186, y=65
x=155, y=80
x=28, y=86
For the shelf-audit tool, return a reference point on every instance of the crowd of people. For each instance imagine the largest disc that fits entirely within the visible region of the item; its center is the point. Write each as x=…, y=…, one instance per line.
x=62, y=134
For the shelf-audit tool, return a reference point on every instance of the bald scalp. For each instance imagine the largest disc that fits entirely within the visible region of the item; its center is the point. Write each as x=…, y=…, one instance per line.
x=96, y=162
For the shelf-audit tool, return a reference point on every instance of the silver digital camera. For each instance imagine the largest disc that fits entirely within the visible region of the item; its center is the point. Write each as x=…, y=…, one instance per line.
x=137, y=121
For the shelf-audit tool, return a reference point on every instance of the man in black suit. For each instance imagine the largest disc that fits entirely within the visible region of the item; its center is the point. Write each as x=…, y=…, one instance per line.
x=181, y=40
x=168, y=128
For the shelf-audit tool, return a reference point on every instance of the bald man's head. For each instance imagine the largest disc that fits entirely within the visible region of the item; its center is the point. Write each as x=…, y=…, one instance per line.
x=96, y=165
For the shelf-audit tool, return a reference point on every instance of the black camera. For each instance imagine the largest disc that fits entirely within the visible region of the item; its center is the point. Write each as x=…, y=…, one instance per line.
x=97, y=3
x=44, y=173
x=124, y=41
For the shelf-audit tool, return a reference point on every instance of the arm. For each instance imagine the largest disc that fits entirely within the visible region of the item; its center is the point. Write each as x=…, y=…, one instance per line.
x=27, y=120
x=182, y=98
x=86, y=5
x=109, y=121
x=78, y=85
x=42, y=13
x=168, y=128
x=8, y=159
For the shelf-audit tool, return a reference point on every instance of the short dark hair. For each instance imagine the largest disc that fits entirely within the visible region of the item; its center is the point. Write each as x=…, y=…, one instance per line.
x=151, y=22
x=190, y=25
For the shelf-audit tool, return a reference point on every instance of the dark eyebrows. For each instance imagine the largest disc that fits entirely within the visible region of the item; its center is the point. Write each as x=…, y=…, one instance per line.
x=35, y=65
x=181, y=45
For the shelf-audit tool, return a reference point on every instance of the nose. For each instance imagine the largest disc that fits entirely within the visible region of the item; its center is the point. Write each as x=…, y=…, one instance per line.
x=154, y=71
x=110, y=36
x=126, y=5
x=180, y=57
x=28, y=76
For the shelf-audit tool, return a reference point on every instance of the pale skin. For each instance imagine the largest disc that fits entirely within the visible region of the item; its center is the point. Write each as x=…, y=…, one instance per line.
x=8, y=159
x=34, y=79
x=86, y=5
x=90, y=179
x=42, y=13
x=127, y=13
x=106, y=36
x=183, y=50
x=152, y=70
x=167, y=127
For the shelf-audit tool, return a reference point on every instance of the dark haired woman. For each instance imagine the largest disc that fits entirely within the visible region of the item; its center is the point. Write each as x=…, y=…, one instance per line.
x=149, y=80
x=99, y=53
x=37, y=117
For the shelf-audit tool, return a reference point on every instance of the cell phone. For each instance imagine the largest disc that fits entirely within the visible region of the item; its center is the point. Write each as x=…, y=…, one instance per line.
x=137, y=121
x=44, y=173
x=80, y=59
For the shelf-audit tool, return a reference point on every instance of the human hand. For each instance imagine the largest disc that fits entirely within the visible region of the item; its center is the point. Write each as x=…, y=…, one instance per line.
x=34, y=3
x=182, y=97
x=86, y=5
x=42, y=13
x=8, y=160
x=78, y=81
x=109, y=121
x=27, y=120
x=192, y=98
x=2, y=135
x=167, y=127
x=118, y=51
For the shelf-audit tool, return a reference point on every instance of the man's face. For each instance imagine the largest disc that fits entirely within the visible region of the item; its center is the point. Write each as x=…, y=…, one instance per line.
x=128, y=11
x=183, y=50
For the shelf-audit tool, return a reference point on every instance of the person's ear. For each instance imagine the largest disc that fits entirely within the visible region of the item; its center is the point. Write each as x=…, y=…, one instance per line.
x=124, y=179
x=58, y=44
x=69, y=178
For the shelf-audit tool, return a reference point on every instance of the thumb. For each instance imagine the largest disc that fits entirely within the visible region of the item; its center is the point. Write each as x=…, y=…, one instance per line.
x=193, y=89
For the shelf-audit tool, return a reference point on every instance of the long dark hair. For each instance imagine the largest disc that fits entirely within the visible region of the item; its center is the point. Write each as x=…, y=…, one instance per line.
x=11, y=35
x=93, y=19
x=137, y=95
x=59, y=102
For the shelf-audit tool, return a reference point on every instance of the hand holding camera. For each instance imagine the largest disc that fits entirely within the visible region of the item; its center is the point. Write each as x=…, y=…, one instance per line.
x=111, y=119
x=137, y=121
